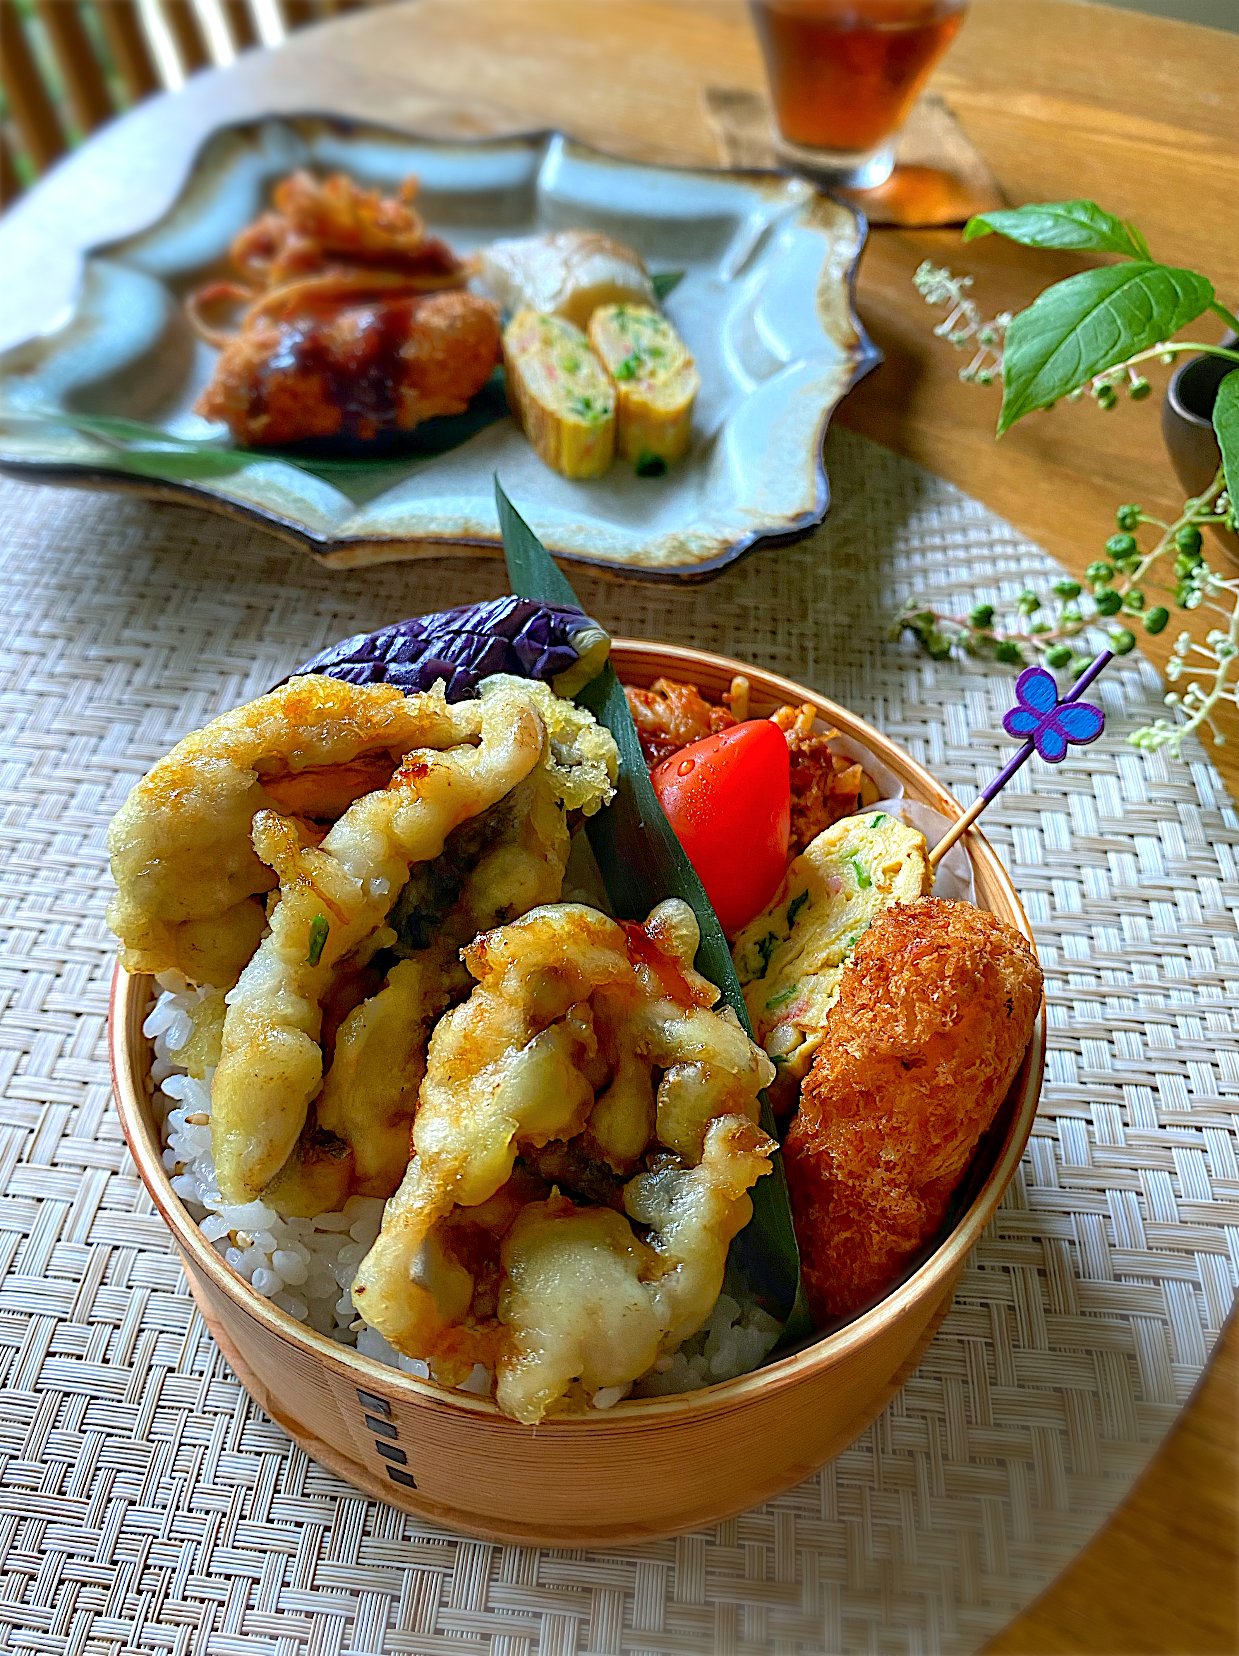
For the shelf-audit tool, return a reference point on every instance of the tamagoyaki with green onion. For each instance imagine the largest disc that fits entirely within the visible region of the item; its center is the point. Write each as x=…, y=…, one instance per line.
x=655, y=381
x=562, y=399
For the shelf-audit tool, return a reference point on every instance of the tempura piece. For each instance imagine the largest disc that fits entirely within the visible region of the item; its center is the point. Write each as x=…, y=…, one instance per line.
x=597, y=1038
x=431, y=823
x=934, y=1013
x=331, y=899
x=189, y=880
x=789, y=958
x=588, y=1302
x=379, y=1053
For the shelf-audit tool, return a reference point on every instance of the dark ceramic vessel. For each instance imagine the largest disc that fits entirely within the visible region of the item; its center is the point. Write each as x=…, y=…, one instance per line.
x=1187, y=427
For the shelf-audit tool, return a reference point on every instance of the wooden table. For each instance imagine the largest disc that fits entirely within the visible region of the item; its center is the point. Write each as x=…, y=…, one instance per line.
x=1065, y=99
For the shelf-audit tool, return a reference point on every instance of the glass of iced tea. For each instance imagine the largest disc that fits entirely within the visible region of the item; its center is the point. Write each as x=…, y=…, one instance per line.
x=844, y=74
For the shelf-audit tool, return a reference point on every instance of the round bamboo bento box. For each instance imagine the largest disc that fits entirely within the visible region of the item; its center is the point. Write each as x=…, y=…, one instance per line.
x=643, y=1468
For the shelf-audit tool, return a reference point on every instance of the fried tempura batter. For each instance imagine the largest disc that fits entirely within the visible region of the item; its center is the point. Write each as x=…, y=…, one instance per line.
x=933, y=1016
x=379, y=1054
x=188, y=878
x=573, y=1014
x=587, y=1301
x=271, y=1065
x=320, y=1049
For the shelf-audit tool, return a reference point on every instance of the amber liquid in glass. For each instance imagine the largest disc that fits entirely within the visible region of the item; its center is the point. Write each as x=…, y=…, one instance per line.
x=845, y=73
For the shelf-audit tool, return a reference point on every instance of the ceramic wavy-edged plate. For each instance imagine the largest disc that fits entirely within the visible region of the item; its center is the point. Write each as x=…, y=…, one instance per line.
x=765, y=306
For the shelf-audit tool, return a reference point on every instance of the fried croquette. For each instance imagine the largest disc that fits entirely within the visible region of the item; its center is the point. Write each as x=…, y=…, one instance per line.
x=934, y=1012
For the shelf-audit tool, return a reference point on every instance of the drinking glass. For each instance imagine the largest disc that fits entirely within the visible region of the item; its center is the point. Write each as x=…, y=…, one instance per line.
x=844, y=74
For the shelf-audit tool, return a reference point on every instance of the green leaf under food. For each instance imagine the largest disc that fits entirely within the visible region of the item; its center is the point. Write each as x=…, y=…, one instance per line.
x=665, y=282
x=1091, y=322
x=1074, y=224
x=642, y=863
x=116, y=430
x=1226, y=426
x=175, y=464
x=149, y=451
x=532, y=571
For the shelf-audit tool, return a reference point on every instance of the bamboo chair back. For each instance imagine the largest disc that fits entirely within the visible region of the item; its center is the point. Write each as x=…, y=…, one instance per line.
x=68, y=66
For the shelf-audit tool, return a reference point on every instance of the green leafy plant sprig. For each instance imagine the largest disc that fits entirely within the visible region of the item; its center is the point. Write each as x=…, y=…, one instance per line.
x=1089, y=336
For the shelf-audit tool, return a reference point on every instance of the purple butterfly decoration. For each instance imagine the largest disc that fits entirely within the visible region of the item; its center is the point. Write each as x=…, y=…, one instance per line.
x=1049, y=723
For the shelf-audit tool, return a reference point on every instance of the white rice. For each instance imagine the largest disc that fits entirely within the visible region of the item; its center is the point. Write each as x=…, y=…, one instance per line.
x=307, y=1266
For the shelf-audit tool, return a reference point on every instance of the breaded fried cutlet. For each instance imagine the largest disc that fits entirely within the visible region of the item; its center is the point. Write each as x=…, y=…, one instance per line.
x=354, y=371
x=933, y=1015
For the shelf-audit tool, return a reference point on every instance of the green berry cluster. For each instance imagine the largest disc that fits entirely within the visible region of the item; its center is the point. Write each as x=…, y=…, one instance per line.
x=1045, y=628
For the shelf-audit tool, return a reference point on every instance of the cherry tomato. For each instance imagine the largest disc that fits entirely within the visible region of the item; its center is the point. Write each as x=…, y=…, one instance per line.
x=728, y=797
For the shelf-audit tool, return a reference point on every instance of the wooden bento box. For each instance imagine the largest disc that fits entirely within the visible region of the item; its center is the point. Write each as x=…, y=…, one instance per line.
x=643, y=1468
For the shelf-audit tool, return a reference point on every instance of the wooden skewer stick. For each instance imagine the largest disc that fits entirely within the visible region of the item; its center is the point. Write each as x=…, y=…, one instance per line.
x=958, y=829
x=961, y=827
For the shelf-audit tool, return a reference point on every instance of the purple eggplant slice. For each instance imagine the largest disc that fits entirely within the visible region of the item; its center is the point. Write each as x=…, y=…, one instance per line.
x=556, y=643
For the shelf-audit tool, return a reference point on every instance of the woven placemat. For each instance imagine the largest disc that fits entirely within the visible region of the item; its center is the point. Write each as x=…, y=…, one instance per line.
x=147, y=1505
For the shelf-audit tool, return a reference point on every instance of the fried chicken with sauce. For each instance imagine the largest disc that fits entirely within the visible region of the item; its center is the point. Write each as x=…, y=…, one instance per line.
x=357, y=369
x=345, y=329
x=933, y=1016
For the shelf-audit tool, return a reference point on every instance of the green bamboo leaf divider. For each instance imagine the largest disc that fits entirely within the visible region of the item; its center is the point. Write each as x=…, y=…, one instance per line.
x=642, y=862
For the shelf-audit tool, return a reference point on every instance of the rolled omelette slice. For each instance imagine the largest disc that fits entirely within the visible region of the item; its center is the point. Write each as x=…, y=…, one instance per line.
x=562, y=399
x=569, y=274
x=790, y=958
x=655, y=382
